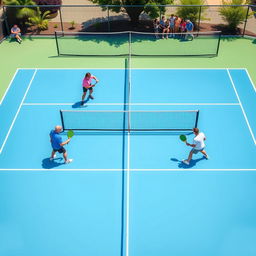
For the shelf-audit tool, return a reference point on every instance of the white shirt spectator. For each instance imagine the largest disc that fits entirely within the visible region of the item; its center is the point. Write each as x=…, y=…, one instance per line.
x=199, y=141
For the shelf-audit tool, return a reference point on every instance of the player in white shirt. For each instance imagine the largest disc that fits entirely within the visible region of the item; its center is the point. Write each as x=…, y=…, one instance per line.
x=197, y=146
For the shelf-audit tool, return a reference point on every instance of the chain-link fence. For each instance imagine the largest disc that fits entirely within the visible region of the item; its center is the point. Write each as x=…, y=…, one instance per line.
x=44, y=20
x=2, y=25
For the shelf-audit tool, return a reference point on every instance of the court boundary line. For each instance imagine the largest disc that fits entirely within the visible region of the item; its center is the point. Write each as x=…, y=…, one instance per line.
x=127, y=248
x=253, y=85
x=134, y=104
x=241, y=105
x=79, y=68
x=18, y=111
x=131, y=170
x=9, y=86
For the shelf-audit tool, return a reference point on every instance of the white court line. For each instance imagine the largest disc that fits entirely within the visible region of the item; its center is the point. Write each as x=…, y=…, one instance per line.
x=128, y=156
x=242, y=108
x=134, y=104
x=186, y=68
x=16, y=115
x=250, y=80
x=13, y=77
x=86, y=68
x=129, y=170
x=71, y=68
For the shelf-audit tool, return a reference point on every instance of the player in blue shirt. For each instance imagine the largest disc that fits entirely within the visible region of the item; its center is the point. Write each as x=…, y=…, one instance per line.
x=57, y=144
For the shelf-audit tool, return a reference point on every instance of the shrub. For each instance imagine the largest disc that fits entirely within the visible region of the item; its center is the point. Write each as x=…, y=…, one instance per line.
x=191, y=12
x=40, y=20
x=72, y=23
x=233, y=15
x=19, y=15
x=49, y=2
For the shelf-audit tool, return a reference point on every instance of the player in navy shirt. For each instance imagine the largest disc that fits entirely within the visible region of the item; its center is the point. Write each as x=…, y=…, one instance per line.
x=57, y=144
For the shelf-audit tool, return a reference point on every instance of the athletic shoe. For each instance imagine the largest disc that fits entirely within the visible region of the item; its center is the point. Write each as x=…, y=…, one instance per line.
x=52, y=158
x=207, y=157
x=91, y=97
x=185, y=162
x=69, y=161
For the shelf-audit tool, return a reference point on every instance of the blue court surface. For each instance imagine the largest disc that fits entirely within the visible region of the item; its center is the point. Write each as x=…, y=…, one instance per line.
x=128, y=193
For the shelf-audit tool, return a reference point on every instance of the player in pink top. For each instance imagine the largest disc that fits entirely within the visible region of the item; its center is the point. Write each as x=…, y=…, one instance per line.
x=87, y=85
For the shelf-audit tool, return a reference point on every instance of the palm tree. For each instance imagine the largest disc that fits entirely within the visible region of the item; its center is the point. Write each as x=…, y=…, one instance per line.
x=18, y=15
x=39, y=19
x=22, y=12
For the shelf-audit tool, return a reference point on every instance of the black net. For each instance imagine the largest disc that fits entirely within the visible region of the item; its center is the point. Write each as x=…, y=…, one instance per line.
x=92, y=44
x=137, y=121
x=138, y=43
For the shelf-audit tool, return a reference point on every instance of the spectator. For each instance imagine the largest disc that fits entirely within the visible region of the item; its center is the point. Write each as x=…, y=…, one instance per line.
x=189, y=28
x=183, y=28
x=16, y=33
x=172, y=24
x=156, y=27
x=167, y=28
x=162, y=27
x=177, y=24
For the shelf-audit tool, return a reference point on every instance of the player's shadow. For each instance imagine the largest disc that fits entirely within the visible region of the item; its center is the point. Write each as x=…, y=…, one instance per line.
x=48, y=164
x=78, y=104
x=192, y=163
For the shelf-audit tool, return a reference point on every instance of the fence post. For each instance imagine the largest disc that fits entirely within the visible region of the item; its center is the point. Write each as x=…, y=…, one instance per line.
x=246, y=18
x=199, y=18
x=108, y=20
x=7, y=28
x=61, y=22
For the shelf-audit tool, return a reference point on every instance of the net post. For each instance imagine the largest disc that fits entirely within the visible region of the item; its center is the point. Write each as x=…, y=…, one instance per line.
x=246, y=19
x=62, y=121
x=197, y=116
x=57, y=45
x=218, y=46
x=130, y=46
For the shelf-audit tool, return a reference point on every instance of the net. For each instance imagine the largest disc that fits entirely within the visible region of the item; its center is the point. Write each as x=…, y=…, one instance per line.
x=176, y=44
x=142, y=44
x=92, y=44
x=137, y=121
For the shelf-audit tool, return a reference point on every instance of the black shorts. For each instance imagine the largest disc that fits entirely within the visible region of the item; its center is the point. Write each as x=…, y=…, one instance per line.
x=61, y=150
x=86, y=89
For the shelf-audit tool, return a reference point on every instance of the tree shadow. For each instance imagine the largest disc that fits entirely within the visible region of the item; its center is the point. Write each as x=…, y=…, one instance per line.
x=48, y=164
x=192, y=163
